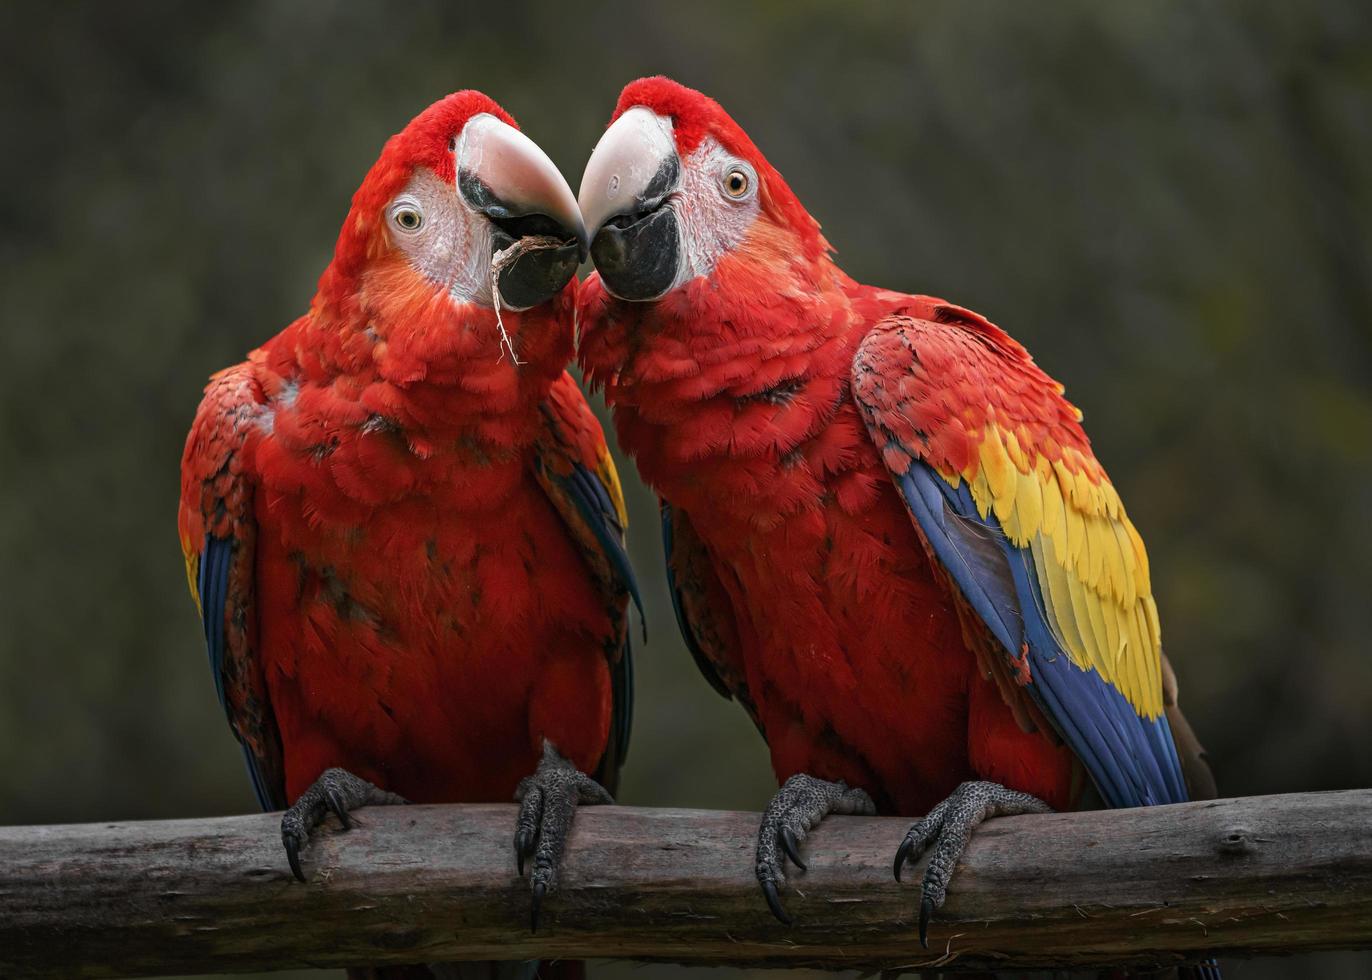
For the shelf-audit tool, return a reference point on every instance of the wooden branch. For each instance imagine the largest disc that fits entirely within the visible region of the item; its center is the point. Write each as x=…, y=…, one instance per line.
x=428, y=884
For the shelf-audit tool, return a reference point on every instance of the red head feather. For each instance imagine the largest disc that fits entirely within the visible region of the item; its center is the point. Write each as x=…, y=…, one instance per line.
x=694, y=116
x=419, y=338
x=427, y=141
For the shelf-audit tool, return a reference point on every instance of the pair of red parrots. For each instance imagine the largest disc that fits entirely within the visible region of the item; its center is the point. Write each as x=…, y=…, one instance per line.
x=887, y=536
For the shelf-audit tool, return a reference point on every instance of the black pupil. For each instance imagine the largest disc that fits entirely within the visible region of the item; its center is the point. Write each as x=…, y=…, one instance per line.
x=409, y=219
x=736, y=182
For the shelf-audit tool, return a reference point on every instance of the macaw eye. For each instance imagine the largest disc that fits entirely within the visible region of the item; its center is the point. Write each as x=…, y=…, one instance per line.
x=736, y=182
x=407, y=218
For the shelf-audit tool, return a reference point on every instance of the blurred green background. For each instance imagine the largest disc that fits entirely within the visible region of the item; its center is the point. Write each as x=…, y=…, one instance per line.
x=1168, y=202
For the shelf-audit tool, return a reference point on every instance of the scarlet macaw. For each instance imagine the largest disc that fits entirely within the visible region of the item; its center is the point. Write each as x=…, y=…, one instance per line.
x=399, y=517
x=887, y=535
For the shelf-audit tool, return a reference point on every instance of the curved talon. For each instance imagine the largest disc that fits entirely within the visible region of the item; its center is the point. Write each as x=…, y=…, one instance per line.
x=802, y=802
x=769, y=891
x=539, y=890
x=902, y=853
x=547, y=804
x=338, y=808
x=336, y=791
x=947, y=828
x=523, y=846
x=926, y=910
x=792, y=847
x=293, y=856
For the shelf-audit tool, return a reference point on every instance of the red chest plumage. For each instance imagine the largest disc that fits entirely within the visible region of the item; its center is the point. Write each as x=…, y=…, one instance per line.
x=425, y=615
x=851, y=645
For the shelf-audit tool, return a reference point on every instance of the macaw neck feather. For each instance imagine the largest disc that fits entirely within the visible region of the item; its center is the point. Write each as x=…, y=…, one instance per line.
x=729, y=391
x=408, y=355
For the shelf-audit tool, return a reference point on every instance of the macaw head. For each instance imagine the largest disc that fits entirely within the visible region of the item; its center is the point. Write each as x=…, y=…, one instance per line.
x=675, y=187
x=455, y=187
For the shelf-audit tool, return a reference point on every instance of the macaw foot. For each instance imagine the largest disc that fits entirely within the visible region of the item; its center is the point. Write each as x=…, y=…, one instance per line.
x=547, y=802
x=336, y=791
x=801, y=803
x=948, y=827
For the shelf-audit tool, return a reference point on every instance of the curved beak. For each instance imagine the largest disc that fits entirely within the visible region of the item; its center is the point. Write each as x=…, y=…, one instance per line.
x=504, y=175
x=631, y=174
x=631, y=170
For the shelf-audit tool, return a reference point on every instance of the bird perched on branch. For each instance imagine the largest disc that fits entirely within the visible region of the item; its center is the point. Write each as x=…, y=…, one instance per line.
x=400, y=520
x=887, y=534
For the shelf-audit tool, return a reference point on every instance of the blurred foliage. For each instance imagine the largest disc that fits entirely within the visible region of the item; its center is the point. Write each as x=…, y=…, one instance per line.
x=1168, y=202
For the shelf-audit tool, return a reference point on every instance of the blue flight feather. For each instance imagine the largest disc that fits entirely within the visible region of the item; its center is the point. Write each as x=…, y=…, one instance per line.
x=212, y=583
x=1132, y=760
x=213, y=586
x=593, y=502
x=687, y=633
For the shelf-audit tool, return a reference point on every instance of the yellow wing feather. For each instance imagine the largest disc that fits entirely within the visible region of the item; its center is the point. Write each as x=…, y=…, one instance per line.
x=1054, y=517
x=1028, y=513
x=1090, y=560
x=1061, y=613
x=609, y=476
x=193, y=575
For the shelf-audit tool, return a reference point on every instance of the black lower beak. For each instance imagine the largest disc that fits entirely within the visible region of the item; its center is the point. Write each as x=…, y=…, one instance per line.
x=545, y=256
x=546, y=249
x=638, y=255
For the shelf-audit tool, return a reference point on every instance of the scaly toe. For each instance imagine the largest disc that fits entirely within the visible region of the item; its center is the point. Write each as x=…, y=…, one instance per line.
x=336, y=791
x=547, y=804
x=948, y=828
x=799, y=805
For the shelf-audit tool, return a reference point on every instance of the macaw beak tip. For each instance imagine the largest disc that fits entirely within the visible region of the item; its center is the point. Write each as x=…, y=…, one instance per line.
x=632, y=174
x=506, y=176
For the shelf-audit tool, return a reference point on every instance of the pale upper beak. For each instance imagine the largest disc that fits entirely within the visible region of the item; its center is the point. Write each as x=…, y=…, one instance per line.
x=625, y=198
x=632, y=169
x=505, y=175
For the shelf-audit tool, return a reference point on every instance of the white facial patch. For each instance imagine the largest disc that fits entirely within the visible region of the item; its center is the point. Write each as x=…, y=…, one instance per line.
x=711, y=221
x=451, y=246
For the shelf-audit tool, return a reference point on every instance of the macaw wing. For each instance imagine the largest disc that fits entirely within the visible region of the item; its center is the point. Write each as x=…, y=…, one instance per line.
x=702, y=608
x=1000, y=480
x=574, y=467
x=218, y=535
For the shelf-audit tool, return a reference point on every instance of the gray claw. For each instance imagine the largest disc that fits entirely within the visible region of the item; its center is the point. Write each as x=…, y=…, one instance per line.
x=801, y=803
x=547, y=804
x=792, y=847
x=524, y=846
x=903, y=852
x=948, y=827
x=536, y=904
x=293, y=854
x=336, y=791
x=338, y=807
x=769, y=892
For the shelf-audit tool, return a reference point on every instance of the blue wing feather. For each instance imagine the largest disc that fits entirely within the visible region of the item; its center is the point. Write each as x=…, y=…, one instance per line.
x=594, y=504
x=682, y=621
x=1131, y=759
x=213, y=586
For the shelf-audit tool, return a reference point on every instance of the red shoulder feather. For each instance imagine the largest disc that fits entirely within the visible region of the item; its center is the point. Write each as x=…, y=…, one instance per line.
x=218, y=532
